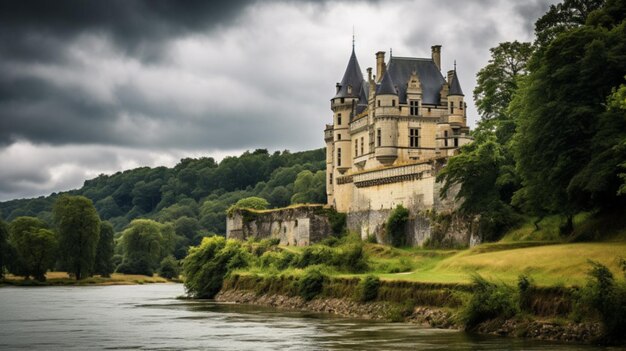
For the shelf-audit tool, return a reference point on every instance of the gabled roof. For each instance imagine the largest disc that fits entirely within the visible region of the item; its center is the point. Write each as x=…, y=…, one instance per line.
x=386, y=86
x=455, y=86
x=431, y=80
x=352, y=77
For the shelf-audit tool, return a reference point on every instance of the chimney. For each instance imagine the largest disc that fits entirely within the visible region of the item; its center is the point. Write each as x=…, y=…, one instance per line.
x=450, y=74
x=436, y=55
x=380, y=64
x=369, y=74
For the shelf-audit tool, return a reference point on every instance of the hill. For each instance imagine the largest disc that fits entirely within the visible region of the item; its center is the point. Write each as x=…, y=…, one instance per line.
x=198, y=189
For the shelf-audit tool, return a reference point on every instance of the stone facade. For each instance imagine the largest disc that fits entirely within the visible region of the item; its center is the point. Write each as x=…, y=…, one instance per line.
x=294, y=226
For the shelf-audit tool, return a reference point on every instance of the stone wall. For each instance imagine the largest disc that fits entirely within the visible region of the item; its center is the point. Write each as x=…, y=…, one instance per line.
x=295, y=226
x=432, y=220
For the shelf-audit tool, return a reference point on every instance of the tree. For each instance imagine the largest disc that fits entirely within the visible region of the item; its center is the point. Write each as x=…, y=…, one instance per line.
x=103, y=263
x=560, y=129
x=497, y=81
x=143, y=246
x=309, y=187
x=186, y=227
x=4, y=247
x=35, y=247
x=79, y=230
x=169, y=268
x=563, y=17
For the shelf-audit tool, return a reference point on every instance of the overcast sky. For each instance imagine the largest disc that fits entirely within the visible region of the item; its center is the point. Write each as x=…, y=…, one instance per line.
x=90, y=87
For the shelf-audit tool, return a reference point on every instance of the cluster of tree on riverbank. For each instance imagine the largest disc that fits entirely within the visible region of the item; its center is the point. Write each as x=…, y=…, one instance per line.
x=552, y=134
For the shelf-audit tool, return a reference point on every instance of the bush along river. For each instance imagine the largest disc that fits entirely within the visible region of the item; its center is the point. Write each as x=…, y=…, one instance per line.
x=152, y=317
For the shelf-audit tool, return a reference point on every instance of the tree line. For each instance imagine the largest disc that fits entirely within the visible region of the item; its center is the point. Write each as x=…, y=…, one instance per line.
x=147, y=218
x=552, y=134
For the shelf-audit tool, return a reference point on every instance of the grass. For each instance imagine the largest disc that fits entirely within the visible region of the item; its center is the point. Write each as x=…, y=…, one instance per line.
x=547, y=263
x=62, y=278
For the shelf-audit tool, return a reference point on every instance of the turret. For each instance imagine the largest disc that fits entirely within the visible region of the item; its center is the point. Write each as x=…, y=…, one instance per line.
x=456, y=105
x=386, y=122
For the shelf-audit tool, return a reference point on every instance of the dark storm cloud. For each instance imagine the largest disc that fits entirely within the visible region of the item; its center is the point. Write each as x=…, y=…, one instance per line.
x=31, y=30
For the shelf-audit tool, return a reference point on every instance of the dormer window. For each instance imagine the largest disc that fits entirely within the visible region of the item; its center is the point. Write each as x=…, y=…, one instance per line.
x=350, y=89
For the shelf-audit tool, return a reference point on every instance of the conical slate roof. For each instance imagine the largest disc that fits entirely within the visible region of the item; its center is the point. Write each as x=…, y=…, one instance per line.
x=386, y=86
x=353, y=77
x=455, y=86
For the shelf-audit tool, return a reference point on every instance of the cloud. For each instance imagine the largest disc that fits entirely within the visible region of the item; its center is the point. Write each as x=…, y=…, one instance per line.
x=134, y=79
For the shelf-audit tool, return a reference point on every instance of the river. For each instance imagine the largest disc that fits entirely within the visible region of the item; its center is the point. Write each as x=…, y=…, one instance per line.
x=150, y=317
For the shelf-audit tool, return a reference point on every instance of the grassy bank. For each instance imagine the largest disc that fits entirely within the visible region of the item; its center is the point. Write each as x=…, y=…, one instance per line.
x=62, y=278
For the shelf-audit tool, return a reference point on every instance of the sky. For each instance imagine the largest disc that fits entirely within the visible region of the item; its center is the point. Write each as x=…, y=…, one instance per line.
x=92, y=87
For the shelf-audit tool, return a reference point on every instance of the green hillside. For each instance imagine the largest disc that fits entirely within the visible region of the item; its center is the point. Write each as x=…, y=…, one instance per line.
x=198, y=189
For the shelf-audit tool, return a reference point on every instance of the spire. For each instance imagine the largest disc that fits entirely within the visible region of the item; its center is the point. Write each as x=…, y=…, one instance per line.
x=352, y=80
x=352, y=38
x=386, y=86
x=455, y=86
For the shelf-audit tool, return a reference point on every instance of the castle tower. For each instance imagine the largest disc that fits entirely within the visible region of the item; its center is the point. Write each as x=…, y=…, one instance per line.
x=450, y=129
x=386, y=114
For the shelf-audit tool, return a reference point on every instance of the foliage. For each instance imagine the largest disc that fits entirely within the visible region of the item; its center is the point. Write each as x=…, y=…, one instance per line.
x=563, y=17
x=608, y=298
x=488, y=301
x=368, y=288
x=566, y=140
x=103, y=263
x=144, y=243
x=207, y=264
x=169, y=268
x=252, y=202
x=309, y=187
x=525, y=286
x=4, y=247
x=78, y=225
x=35, y=247
x=395, y=225
x=497, y=81
x=311, y=284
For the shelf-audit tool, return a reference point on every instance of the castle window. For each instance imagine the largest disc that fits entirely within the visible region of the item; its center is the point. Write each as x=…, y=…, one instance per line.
x=378, y=103
x=414, y=111
x=356, y=147
x=393, y=103
x=338, y=136
x=451, y=106
x=414, y=137
x=343, y=100
x=362, y=147
x=339, y=118
x=378, y=137
x=456, y=142
x=460, y=105
x=330, y=178
x=445, y=135
x=338, y=156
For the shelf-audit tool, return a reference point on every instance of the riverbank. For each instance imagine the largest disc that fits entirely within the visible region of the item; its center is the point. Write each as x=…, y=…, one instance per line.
x=63, y=279
x=431, y=305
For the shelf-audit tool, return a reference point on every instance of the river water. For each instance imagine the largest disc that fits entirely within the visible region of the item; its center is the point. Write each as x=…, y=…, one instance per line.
x=150, y=317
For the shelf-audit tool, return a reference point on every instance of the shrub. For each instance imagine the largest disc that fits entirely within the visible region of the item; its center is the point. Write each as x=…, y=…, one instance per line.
x=371, y=238
x=395, y=225
x=207, y=264
x=136, y=264
x=525, y=286
x=488, y=301
x=311, y=284
x=608, y=298
x=169, y=268
x=368, y=288
x=350, y=258
x=313, y=255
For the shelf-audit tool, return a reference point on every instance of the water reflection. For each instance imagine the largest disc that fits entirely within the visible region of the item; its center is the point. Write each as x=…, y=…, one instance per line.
x=149, y=317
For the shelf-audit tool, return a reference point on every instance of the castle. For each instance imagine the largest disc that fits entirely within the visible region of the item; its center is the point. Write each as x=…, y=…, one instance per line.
x=389, y=135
